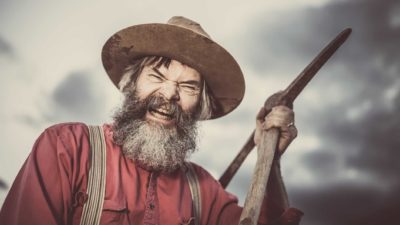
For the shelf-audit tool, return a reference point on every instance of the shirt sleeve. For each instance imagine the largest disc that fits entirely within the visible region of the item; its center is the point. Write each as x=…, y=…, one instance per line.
x=42, y=190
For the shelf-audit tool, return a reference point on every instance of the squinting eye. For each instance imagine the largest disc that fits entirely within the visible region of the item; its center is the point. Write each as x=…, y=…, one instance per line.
x=190, y=89
x=155, y=78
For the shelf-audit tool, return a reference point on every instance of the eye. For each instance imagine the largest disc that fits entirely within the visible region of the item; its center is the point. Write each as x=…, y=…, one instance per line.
x=189, y=89
x=155, y=78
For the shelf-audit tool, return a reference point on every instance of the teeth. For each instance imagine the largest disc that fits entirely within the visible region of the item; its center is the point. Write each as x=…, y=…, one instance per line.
x=162, y=113
x=159, y=115
x=165, y=111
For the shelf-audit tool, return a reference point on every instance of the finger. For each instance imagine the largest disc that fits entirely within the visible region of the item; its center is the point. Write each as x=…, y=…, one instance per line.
x=277, y=123
x=281, y=124
x=279, y=118
x=261, y=114
x=282, y=111
x=289, y=133
x=286, y=138
x=282, y=108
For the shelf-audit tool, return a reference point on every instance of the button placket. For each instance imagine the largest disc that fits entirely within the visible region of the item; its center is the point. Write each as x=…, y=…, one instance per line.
x=151, y=214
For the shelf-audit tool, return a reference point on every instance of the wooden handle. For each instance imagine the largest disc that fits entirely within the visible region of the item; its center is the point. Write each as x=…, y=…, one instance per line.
x=255, y=195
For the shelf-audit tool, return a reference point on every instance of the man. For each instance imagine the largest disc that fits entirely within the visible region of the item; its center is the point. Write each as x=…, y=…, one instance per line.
x=172, y=75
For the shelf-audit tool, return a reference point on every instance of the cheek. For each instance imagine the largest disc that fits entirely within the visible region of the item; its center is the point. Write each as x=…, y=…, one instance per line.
x=189, y=103
x=144, y=91
x=143, y=88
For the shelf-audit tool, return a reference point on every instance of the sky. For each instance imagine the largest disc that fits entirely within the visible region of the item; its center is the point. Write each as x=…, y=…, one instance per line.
x=343, y=166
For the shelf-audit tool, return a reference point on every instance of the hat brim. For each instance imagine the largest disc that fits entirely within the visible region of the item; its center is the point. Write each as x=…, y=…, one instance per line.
x=219, y=69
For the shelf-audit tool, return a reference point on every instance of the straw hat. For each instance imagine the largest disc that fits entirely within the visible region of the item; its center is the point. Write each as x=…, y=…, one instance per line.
x=185, y=41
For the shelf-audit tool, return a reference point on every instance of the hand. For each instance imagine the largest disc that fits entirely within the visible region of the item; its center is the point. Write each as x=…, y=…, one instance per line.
x=281, y=117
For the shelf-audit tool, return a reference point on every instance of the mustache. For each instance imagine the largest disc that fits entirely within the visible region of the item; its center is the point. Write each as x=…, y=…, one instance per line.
x=134, y=108
x=158, y=102
x=139, y=107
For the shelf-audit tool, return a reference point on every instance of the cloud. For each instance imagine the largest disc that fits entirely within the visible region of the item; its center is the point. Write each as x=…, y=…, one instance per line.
x=78, y=97
x=322, y=162
x=74, y=94
x=379, y=133
x=301, y=33
x=352, y=105
x=369, y=58
x=3, y=184
x=373, y=69
x=6, y=48
x=343, y=204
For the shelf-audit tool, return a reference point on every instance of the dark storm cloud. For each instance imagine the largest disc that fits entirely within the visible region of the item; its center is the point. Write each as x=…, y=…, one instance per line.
x=370, y=57
x=379, y=152
x=375, y=40
x=5, y=47
x=323, y=162
x=299, y=35
x=3, y=184
x=362, y=71
x=74, y=93
x=345, y=204
x=4, y=4
x=293, y=39
x=77, y=97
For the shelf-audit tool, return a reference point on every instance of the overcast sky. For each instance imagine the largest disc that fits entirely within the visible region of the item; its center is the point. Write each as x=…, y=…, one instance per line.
x=342, y=168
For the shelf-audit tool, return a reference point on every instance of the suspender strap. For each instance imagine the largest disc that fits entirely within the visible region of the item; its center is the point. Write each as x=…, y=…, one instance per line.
x=194, y=186
x=97, y=181
x=97, y=178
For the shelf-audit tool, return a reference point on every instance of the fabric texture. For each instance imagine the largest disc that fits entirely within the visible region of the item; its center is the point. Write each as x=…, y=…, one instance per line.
x=96, y=186
x=51, y=188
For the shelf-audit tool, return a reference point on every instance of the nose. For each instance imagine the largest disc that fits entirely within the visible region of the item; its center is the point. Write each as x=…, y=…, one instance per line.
x=170, y=90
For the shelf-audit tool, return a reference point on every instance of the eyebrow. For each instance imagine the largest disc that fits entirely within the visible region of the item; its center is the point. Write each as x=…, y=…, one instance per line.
x=191, y=82
x=159, y=73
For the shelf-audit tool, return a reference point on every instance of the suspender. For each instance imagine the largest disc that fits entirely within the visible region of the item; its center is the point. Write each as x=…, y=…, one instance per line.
x=97, y=181
x=194, y=186
x=97, y=178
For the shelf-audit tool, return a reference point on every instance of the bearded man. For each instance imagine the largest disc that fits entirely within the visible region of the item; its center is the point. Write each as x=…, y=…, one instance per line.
x=172, y=75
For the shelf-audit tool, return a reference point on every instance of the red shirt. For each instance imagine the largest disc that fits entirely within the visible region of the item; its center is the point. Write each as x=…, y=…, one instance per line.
x=51, y=188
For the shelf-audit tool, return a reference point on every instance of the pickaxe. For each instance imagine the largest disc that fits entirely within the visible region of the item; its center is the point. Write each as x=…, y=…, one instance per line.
x=269, y=138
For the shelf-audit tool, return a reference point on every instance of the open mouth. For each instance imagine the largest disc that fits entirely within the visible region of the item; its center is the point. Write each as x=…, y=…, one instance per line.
x=164, y=115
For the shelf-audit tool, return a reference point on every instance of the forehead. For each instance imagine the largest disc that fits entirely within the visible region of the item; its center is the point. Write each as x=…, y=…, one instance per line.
x=176, y=71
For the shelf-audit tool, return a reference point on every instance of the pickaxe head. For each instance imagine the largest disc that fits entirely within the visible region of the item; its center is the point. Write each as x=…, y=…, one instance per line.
x=288, y=96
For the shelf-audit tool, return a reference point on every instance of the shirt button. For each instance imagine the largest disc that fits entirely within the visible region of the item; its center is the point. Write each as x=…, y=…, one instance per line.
x=80, y=198
x=152, y=206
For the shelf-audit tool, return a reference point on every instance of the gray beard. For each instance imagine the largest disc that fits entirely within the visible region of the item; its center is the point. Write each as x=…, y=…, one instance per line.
x=158, y=148
x=151, y=145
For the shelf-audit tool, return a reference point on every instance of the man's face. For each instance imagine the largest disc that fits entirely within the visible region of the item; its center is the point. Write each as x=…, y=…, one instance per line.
x=178, y=83
x=156, y=125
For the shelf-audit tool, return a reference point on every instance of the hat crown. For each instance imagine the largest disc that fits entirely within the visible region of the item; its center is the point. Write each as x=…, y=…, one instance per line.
x=183, y=40
x=186, y=23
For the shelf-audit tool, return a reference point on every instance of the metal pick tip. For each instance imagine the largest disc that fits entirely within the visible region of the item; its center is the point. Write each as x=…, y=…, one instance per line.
x=348, y=30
